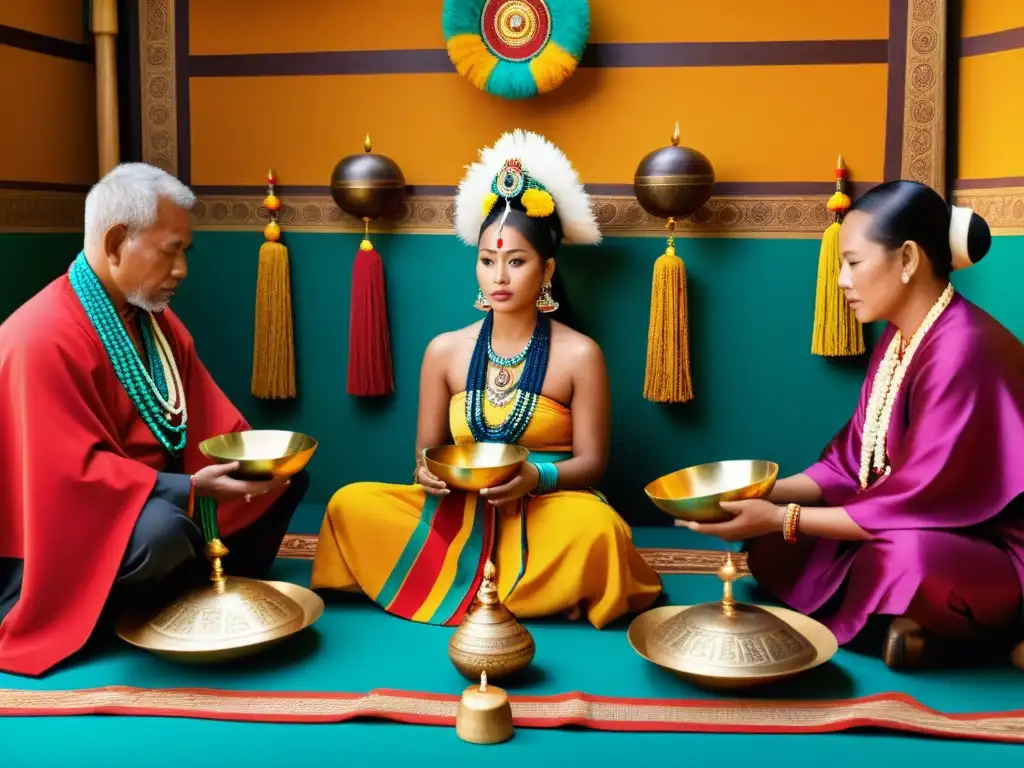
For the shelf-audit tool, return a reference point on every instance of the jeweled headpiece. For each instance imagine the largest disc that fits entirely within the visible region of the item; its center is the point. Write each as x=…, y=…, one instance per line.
x=526, y=171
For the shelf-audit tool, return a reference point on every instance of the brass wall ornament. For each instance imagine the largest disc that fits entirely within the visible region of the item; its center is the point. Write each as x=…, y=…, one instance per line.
x=729, y=644
x=370, y=187
x=671, y=183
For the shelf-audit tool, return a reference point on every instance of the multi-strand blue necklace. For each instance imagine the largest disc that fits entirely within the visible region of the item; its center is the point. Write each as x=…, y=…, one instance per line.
x=145, y=385
x=528, y=390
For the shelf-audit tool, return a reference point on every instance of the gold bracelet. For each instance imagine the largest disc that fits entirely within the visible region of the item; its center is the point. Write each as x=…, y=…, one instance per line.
x=791, y=522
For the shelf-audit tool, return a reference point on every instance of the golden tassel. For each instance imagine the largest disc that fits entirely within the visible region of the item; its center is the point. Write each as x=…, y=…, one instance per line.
x=837, y=332
x=667, y=379
x=273, y=359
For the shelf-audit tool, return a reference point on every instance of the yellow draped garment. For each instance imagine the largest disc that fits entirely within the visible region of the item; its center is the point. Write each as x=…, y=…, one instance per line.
x=422, y=559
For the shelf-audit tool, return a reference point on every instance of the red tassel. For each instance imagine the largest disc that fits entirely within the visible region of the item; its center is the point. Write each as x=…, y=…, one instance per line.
x=369, y=344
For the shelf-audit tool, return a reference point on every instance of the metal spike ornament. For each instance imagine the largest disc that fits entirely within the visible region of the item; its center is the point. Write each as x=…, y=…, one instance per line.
x=369, y=187
x=671, y=183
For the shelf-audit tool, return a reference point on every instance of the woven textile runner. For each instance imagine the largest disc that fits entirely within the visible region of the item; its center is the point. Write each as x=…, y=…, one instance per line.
x=302, y=546
x=889, y=711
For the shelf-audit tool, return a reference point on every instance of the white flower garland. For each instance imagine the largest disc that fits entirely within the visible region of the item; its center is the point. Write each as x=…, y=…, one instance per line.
x=886, y=387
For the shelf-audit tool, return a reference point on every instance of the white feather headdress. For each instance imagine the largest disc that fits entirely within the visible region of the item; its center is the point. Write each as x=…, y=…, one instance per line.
x=545, y=164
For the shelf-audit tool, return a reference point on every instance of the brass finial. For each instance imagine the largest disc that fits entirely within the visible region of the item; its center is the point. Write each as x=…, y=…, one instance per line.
x=215, y=552
x=483, y=681
x=367, y=144
x=728, y=574
x=839, y=162
x=271, y=177
x=675, y=135
x=488, y=592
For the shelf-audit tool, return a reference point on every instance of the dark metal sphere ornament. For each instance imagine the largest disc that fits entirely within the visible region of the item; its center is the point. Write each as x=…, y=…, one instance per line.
x=367, y=186
x=673, y=182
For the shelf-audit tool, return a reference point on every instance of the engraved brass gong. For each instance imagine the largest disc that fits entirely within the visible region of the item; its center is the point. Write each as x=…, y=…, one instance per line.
x=224, y=620
x=727, y=644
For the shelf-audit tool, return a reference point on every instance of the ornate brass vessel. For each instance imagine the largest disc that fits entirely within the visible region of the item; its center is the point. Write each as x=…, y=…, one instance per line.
x=484, y=715
x=694, y=493
x=368, y=186
x=673, y=181
x=490, y=640
x=227, y=619
x=727, y=644
x=262, y=453
x=475, y=466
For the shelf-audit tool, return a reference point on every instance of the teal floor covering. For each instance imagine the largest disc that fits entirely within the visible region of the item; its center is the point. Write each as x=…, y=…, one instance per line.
x=356, y=647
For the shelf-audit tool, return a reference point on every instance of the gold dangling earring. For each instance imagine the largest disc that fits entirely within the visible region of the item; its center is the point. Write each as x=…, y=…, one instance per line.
x=546, y=302
x=481, y=302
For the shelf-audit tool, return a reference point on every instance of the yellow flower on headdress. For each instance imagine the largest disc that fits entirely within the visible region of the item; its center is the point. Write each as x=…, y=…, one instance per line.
x=538, y=203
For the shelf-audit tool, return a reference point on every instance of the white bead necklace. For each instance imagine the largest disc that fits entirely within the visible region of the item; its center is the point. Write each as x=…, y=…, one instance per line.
x=175, y=404
x=885, y=388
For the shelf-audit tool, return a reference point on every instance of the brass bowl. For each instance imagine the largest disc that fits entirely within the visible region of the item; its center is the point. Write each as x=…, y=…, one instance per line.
x=767, y=645
x=213, y=623
x=473, y=467
x=694, y=493
x=261, y=453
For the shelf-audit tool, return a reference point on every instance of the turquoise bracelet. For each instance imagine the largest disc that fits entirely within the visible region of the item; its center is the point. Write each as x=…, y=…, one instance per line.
x=548, y=473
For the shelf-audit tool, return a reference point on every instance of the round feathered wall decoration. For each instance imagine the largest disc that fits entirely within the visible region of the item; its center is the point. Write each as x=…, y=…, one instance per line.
x=516, y=49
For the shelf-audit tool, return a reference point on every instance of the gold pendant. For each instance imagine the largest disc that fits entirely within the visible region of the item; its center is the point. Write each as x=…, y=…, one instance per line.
x=503, y=379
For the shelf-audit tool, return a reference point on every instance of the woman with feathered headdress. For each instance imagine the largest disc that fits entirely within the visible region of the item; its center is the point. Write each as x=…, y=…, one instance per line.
x=515, y=377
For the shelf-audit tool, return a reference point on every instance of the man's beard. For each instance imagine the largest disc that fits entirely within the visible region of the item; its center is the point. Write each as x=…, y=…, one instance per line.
x=138, y=299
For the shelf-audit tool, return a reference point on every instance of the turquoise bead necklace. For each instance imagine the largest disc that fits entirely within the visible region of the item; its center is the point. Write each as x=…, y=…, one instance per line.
x=147, y=386
x=536, y=355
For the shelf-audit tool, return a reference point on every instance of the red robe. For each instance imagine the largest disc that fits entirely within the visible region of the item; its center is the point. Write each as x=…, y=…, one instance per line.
x=77, y=465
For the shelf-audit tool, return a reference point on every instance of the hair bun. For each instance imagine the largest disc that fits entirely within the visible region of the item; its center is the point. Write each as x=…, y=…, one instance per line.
x=969, y=237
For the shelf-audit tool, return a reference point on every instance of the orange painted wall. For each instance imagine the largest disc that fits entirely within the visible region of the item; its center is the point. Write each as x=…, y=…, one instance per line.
x=991, y=108
x=780, y=123
x=53, y=138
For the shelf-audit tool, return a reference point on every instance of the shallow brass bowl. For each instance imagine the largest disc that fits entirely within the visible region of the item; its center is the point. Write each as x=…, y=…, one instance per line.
x=694, y=493
x=210, y=624
x=262, y=453
x=474, y=466
x=642, y=631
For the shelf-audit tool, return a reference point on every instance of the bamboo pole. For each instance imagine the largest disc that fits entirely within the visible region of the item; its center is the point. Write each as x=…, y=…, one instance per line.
x=104, y=29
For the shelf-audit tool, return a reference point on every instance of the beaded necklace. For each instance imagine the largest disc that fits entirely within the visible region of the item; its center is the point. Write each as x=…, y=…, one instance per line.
x=536, y=355
x=885, y=388
x=156, y=390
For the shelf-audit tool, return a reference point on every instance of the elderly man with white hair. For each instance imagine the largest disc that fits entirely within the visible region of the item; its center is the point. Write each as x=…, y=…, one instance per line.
x=103, y=404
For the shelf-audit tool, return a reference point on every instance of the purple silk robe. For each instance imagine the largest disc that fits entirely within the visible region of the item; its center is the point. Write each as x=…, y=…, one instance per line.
x=952, y=500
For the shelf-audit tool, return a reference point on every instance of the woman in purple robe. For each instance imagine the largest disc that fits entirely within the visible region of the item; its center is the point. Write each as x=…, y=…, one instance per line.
x=915, y=510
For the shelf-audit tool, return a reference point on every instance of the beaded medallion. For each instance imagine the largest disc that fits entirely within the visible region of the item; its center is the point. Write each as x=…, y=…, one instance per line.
x=516, y=30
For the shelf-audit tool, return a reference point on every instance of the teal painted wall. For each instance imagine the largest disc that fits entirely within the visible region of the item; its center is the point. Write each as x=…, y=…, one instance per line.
x=760, y=393
x=30, y=261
